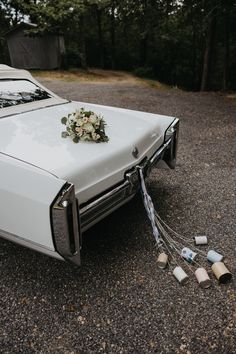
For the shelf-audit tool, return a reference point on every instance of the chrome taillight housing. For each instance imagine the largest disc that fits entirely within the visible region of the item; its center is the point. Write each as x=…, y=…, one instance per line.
x=66, y=224
x=171, y=138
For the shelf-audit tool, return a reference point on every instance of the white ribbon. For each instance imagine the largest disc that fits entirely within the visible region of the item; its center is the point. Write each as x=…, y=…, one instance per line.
x=147, y=201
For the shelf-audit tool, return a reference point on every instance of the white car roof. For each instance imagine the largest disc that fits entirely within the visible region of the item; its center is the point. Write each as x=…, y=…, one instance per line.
x=7, y=72
x=11, y=73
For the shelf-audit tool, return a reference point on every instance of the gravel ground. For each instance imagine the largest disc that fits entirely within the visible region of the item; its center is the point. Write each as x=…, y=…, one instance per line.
x=119, y=301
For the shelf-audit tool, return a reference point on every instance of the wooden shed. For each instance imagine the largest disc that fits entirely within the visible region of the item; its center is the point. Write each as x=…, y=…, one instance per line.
x=34, y=52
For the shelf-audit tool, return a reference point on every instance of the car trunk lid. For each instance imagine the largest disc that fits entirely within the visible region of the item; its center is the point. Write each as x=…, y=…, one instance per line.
x=35, y=137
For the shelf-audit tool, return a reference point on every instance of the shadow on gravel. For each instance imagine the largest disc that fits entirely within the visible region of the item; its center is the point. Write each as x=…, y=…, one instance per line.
x=105, y=246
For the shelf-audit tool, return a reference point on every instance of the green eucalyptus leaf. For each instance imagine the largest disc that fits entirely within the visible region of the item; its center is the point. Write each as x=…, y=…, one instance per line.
x=64, y=120
x=87, y=113
x=64, y=134
x=76, y=139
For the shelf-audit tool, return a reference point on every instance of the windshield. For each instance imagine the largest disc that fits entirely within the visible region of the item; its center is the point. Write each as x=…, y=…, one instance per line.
x=16, y=92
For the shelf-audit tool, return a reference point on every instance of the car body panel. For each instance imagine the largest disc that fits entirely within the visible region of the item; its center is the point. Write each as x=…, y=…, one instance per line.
x=92, y=167
x=26, y=193
x=51, y=189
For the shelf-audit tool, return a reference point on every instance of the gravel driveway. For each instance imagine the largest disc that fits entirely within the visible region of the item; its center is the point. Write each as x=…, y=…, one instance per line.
x=119, y=301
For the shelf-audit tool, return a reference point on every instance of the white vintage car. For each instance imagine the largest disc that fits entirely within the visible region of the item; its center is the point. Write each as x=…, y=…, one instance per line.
x=51, y=189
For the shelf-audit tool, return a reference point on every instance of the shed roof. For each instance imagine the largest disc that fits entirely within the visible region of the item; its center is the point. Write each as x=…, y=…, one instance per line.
x=21, y=25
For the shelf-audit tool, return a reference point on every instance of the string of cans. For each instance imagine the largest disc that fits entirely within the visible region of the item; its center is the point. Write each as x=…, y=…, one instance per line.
x=176, y=250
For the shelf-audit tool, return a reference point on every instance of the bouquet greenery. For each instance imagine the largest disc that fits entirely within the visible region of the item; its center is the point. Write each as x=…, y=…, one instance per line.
x=85, y=126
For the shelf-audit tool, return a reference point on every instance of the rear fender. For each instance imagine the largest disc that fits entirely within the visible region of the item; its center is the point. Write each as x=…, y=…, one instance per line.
x=27, y=195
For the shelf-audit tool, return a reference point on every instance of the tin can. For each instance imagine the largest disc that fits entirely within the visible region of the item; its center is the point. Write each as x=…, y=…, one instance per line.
x=221, y=272
x=214, y=256
x=162, y=260
x=203, y=278
x=200, y=240
x=188, y=254
x=180, y=275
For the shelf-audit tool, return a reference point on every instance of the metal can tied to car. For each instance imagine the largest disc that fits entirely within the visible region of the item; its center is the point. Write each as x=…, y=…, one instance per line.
x=188, y=254
x=162, y=260
x=213, y=256
x=200, y=240
x=203, y=278
x=180, y=275
x=221, y=272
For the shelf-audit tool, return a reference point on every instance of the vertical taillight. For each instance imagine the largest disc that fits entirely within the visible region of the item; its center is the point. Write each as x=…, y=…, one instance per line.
x=66, y=224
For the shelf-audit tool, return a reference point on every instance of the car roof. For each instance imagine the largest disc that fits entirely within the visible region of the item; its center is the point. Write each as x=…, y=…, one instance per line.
x=11, y=73
x=7, y=72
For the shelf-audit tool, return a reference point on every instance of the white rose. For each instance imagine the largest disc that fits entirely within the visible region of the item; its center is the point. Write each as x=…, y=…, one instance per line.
x=94, y=136
x=79, y=131
x=88, y=127
x=85, y=137
x=92, y=119
x=85, y=120
x=79, y=122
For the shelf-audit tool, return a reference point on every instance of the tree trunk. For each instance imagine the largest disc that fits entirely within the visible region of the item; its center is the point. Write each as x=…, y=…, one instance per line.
x=100, y=36
x=113, y=44
x=205, y=82
x=143, y=44
x=82, y=40
x=143, y=49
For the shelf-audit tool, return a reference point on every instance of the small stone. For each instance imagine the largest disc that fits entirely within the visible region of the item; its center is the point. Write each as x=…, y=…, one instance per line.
x=152, y=344
x=70, y=308
x=182, y=347
x=81, y=319
x=24, y=301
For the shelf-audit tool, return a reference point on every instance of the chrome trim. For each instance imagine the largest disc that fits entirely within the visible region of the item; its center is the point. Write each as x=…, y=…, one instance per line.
x=172, y=135
x=98, y=201
x=171, y=129
x=29, y=244
x=66, y=224
x=135, y=152
x=160, y=153
x=102, y=206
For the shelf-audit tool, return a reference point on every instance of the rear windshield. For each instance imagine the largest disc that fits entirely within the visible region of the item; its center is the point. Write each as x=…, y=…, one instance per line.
x=15, y=92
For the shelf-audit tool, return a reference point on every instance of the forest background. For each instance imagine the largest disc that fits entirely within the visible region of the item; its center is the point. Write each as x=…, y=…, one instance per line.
x=190, y=44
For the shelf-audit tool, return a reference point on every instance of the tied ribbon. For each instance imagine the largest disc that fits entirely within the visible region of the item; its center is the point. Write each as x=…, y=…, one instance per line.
x=147, y=201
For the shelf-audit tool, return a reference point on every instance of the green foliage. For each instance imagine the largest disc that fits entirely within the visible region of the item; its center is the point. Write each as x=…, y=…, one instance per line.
x=172, y=41
x=64, y=120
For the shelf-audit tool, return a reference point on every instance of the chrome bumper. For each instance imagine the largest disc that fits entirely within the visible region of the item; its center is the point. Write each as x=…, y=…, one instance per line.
x=67, y=222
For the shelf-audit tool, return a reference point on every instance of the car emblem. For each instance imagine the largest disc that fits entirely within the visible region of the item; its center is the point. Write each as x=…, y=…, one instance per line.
x=135, y=152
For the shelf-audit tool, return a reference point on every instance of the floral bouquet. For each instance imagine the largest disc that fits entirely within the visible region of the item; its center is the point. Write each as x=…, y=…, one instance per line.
x=85, y=126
